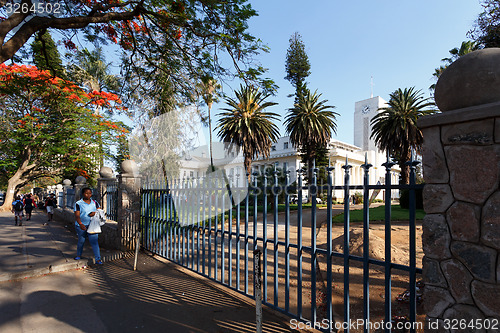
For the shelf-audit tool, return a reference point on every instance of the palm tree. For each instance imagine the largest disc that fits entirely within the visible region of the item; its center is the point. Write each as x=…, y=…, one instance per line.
x=310, y=124
x=92, y=71
x=465, y=48
x=395, y=129
x=246, y=124
x=209, y=91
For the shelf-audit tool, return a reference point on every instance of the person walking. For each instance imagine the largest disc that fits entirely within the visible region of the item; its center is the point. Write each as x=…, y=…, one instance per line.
x=28, y=206
x=85, y=208
x=17, y=209
x=50, y=204
x=36, y=200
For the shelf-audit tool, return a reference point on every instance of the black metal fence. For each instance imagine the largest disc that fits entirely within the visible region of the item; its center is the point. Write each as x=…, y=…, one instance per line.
x=110, y=201
x=70, y=198
x=212, y=228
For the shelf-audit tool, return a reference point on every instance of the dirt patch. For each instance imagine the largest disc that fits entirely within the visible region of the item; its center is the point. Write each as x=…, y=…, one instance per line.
x=376, y=246
x=233, y=251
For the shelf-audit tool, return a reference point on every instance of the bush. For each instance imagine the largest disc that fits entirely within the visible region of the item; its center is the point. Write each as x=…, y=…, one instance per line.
x=404, y=199
x=358, y=198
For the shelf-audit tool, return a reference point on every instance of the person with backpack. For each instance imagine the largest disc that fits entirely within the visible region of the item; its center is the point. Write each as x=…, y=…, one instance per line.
x=17, y=209
x=28, y=206
x=50, y=204
x=85, y=208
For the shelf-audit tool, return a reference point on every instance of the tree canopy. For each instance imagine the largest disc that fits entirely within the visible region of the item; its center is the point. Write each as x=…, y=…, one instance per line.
x=455, y=53
x=48, y=127
x=246, y=123
x=297, y=64
x=486, y=30
x=90, y=70
x=45, y=54
x=395, y=128
x=310, y=124
x=177, y=40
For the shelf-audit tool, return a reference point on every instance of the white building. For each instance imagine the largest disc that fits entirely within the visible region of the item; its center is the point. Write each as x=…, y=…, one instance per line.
x=285, y=156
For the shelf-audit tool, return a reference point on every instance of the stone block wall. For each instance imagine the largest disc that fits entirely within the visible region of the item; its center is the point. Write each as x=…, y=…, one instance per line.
x=461, y=231
x=109, y=237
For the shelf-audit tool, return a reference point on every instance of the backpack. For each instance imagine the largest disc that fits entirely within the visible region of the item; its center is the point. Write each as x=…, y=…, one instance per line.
x=18, y=206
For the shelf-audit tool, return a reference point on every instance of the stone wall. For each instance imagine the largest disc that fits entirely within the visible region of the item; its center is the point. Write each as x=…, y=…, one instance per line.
x=109, y=238
x=461, y=231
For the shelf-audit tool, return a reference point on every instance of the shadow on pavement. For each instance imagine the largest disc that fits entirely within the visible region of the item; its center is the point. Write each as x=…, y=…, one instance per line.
x=160, y=298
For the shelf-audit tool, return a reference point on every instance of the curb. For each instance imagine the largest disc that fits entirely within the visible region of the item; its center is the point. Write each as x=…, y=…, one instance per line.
x=58, y=267
x=34, y=272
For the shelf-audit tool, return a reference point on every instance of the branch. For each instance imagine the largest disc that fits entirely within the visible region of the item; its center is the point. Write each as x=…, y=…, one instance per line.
x=37, y=23
x=13, y=21
x=44, y=173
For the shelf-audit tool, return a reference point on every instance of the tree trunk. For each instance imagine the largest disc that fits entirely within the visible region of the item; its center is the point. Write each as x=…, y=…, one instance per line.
x=210, y=140
x=248, y=166
x=12, y=185
x=16, y=180
x=405, y=169
x=310, y=173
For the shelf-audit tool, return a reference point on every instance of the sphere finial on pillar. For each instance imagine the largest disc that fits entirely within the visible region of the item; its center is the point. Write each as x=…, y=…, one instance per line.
x=106, y=172
x=129, y=167
x=472, y=80
x=80, y=180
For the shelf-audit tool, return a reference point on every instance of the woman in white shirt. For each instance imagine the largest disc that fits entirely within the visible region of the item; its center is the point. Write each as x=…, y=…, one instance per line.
x=85, y=208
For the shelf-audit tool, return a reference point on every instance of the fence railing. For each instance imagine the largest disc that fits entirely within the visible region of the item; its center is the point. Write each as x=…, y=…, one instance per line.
x=60, y=199
x=212, y=228
x=110, y=200
x=70, y=198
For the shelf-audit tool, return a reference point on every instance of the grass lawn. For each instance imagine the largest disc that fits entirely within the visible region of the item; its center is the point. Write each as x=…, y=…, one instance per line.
x=378, y=214
x=281, y=207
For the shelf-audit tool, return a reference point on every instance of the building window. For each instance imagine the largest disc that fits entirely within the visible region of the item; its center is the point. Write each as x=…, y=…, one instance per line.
x=273, y=148
x=191, y=174
x=285, y=145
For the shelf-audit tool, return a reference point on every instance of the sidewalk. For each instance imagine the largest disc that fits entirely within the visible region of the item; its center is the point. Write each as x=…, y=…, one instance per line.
x=158, y=297
x=35, y=249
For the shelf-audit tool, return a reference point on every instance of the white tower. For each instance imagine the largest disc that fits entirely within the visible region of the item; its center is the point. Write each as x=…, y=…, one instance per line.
x=364, y=111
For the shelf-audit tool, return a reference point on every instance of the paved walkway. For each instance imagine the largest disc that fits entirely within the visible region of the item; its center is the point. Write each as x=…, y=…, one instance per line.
x=35, y=249
x=158, y=297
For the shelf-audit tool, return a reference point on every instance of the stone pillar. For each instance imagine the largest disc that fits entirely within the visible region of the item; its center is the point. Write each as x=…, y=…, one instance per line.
x=461, y=167
x=66, y=185
x=59, y=191
x=80, y=183
x=129, y=204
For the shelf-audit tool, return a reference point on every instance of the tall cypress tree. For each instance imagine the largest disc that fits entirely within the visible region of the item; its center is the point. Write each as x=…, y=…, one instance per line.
x=45, y=54
x=297, y=64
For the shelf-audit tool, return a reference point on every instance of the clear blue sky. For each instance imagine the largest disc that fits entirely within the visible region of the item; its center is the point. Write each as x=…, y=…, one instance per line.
x=398, y=42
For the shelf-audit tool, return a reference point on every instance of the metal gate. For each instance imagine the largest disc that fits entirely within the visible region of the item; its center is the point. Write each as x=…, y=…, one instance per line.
x=199, y=225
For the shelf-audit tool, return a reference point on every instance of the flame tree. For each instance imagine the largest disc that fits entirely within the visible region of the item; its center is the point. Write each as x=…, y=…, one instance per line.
x=179, y=41
x=47, y=126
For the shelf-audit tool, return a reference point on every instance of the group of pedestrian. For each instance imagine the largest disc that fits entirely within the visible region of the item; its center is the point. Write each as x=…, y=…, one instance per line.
x=26, y=203
x=22, y=204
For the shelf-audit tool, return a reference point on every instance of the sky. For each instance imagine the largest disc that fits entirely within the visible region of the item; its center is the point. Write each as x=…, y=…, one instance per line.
x=397, y=42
